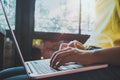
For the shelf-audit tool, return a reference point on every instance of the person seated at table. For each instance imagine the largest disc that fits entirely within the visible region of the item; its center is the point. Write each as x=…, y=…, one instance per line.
x=106, y=36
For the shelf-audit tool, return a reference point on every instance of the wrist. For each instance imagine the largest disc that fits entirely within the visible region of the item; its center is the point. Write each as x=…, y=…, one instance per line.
x=91, y=57
x=96, y=59
x=86, y=57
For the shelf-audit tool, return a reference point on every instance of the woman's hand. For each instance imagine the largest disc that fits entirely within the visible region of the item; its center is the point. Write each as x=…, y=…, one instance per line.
x=70, y=54
x=73, y=44
x=77, y=44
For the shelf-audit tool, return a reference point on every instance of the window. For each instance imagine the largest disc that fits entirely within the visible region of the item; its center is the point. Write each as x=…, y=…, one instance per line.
x=64, y=16
x=87, y=16
x=10, y=6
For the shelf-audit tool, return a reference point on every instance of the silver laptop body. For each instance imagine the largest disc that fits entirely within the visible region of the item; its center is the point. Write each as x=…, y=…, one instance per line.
x=38, y=69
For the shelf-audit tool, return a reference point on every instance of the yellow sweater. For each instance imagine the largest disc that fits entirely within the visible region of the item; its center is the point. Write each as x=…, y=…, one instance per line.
x=107, y=28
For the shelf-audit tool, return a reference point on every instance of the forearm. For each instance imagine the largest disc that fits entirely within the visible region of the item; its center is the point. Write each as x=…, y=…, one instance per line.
x=110, y=56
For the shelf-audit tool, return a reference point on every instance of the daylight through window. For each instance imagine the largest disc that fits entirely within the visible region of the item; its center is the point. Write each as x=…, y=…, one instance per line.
x=10, y=6
x=64, y=16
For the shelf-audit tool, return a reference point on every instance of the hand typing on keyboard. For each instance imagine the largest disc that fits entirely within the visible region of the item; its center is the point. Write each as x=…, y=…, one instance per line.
x=70, y=53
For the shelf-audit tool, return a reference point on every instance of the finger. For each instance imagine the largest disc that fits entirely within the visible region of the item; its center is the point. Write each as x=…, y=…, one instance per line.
x=61, y=56
x=55, y=53
x=58, y=52
x=63, y=45
x=71, y=44
x=79, y=45
x=57, y=57
x=76, y=44
x=66, y=59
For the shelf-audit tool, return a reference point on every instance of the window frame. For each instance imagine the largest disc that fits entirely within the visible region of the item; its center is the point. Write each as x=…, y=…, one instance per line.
x=24, y=29
x=79, y=25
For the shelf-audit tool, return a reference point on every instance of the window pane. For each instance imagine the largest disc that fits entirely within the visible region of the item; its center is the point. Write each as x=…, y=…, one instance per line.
x=87, y=16
x=62, y=17
x=10, y=6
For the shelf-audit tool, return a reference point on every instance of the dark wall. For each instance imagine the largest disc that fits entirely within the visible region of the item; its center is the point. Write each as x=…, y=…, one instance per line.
x=2, y=39
x=24, y=26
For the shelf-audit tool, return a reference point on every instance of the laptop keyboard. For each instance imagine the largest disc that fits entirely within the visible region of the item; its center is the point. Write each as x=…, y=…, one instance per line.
x=70, y=66
x=42, y=66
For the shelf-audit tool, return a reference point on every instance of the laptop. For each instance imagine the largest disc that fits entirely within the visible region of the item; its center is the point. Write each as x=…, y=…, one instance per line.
x=38, y=69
